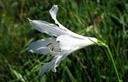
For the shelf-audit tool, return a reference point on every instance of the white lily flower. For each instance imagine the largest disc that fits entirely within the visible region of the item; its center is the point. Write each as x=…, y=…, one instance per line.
x=60, y=47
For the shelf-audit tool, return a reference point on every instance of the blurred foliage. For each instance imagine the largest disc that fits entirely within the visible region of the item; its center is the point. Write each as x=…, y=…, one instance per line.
x=105, y=19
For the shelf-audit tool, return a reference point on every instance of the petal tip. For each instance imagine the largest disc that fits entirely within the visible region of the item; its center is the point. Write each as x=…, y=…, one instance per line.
x=55, y=5
x=54, y=8
x=31, y=51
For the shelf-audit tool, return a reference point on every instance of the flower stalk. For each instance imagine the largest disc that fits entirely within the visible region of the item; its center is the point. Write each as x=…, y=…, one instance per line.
x=109, y=53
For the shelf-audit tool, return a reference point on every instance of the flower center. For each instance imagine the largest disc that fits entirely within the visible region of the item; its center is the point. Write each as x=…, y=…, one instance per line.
x=54, y=47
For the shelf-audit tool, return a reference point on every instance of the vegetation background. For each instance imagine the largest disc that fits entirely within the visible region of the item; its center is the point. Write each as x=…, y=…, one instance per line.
x=106, y=20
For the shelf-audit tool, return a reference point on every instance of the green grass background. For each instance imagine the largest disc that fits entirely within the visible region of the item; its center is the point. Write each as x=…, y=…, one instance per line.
x=106, y=20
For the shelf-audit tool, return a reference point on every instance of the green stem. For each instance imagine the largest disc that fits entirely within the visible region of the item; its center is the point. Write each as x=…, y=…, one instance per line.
x=111, y=57
x=113, y=62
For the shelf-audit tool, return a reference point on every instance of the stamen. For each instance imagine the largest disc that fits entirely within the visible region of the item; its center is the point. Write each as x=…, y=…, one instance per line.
x=53, y=47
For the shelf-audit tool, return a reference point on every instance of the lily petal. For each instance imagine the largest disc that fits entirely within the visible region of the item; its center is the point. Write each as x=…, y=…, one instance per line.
x=71, y=43
x=53, y=12
x=41, y=46
x=48, y=28
x=59, y=58
x=46, y=67
x=51, y=65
